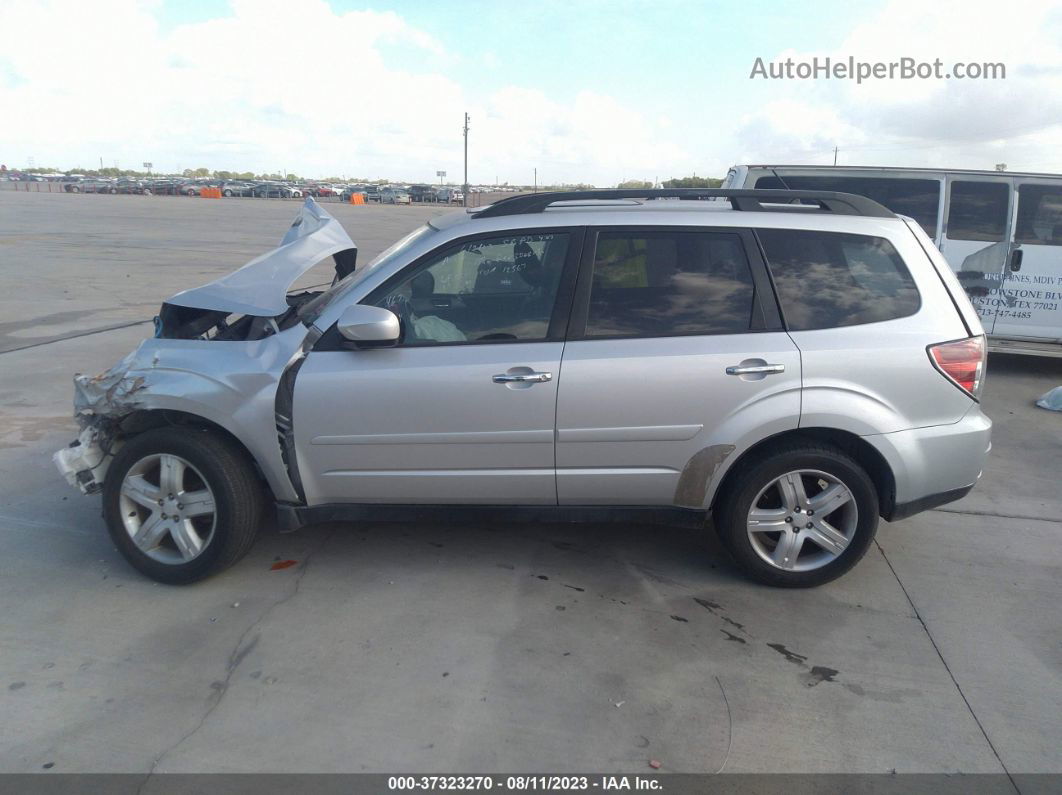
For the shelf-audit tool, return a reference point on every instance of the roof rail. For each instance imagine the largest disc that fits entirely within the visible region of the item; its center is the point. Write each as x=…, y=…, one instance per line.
x=747, y=200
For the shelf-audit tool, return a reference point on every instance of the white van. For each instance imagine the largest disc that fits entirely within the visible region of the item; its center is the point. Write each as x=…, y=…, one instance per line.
x=1001, y=233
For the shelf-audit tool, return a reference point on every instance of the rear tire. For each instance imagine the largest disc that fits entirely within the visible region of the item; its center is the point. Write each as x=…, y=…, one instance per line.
x=767, y=518
x=215, y=475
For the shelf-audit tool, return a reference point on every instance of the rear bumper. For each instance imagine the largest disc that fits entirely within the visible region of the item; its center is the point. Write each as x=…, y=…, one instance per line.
x=935, y=465
x=906, y=509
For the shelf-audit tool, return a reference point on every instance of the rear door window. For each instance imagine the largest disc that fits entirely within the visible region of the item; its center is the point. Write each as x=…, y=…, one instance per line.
x=669, y=283
x=978, y=210
x=916, y=198
x=829, y=279
x=1039, y=215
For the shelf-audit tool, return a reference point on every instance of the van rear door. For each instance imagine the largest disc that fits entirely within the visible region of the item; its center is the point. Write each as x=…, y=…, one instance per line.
x=976, y=239
x=1032, y=280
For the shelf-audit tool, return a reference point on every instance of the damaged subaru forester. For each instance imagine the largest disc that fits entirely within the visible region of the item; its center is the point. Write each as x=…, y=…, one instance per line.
x=788, y=366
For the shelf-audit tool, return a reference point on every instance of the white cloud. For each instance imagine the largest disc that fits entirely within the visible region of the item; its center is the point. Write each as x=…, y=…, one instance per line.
x=322, y=98
x=957, y=123
x=296, y=86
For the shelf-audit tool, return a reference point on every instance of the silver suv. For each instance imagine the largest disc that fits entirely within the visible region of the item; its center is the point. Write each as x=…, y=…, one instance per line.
x=789, y=365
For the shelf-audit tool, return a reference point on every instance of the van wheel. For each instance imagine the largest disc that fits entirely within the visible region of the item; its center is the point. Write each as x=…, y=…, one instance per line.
x=181, y=503
x=798, y=517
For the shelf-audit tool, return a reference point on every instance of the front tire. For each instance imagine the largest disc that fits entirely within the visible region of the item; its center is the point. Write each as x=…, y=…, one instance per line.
x=799, y=516
x=181, y=503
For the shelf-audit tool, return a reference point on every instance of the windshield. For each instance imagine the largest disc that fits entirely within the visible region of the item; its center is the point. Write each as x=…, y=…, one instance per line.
x=310, y=311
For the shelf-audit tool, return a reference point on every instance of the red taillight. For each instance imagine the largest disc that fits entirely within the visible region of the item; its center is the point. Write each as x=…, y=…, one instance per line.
x=962, y=361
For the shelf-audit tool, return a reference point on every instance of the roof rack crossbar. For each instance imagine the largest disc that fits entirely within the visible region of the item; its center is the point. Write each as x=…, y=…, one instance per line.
x=747, y=200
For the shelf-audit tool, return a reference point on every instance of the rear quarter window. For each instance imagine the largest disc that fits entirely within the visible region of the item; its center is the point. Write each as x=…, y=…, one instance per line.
x=830, y=279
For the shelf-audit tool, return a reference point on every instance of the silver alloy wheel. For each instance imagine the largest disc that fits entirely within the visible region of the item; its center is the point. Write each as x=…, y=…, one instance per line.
x=802, y=520
x=168, y=508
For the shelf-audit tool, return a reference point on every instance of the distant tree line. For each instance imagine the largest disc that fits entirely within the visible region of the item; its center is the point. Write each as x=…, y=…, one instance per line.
x=674, y=182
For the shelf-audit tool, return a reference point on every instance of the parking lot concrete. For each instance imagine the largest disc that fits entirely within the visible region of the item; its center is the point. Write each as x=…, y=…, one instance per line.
x=542, y=648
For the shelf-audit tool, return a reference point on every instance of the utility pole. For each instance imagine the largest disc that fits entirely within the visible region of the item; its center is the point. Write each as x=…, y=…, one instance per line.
x=465, y=186
x=536, y=180
x=835, y=155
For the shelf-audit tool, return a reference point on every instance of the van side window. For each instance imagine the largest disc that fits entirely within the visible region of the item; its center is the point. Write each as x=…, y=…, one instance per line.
x=917, y=198
x=660, y=284
x=829, y=279
x=1039, y=215
x=978, y=210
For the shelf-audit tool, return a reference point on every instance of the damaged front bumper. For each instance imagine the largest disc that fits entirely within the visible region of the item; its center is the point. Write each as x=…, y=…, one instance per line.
x=100, y=403
x=84, y=462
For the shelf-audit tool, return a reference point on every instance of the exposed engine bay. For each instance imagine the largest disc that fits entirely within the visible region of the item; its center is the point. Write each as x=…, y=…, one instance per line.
x=167, y=379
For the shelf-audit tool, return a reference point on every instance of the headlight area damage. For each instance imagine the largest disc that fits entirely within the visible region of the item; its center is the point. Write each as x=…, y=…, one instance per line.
x=219, y=354
x=100, y=402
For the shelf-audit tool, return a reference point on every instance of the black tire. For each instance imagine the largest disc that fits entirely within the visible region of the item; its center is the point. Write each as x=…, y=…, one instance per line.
x=227, y=193
x=75, y=189
x=225, y=468
x=753, y=476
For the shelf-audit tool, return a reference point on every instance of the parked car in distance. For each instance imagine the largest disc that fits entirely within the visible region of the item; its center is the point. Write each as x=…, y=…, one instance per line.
x=422, y=193
x=129, y=185
x=786, y=376
x=89, y=185
x=164, y=187
x=351, y=190
x=269, y=190
x=392, y=195
x=450, y=195
x=237, y=189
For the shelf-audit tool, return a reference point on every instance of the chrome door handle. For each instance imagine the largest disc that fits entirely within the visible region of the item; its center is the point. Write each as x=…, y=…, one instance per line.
x=524, y=378
x=754, y=369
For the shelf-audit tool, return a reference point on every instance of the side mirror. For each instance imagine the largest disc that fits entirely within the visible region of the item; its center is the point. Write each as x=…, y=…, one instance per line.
x=369, y=326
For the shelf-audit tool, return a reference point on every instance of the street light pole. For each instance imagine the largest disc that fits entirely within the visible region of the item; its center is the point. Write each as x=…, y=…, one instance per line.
x=465, y=187
x=535, y=189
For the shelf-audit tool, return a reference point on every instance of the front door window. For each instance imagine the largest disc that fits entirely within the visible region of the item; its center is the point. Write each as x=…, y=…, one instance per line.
x=499, y=289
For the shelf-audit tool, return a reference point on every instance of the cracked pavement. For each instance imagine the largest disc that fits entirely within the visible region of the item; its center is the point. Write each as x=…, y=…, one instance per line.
x=392, y=648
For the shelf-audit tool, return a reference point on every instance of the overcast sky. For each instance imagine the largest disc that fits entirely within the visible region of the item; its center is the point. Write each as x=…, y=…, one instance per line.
x=585, y=91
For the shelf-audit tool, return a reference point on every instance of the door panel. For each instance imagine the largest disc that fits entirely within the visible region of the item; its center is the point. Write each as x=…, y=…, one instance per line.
x=633, y=414
x=1031, y=290
x=428, y=425
x=659, y=316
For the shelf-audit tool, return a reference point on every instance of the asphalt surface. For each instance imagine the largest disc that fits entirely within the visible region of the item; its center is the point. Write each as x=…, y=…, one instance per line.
x=541, y=648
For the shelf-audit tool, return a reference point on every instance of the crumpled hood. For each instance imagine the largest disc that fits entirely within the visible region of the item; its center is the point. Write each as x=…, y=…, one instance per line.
x=259, y=288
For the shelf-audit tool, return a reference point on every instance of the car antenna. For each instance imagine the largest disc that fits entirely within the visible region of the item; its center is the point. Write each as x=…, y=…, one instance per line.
x=785, y=186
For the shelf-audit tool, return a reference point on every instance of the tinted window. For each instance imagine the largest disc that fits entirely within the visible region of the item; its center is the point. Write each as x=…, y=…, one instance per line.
x=826, y=279
x=669, y=283
x=917, y=198
x=978, y=210
x=1039, y=215
x=488, y=290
